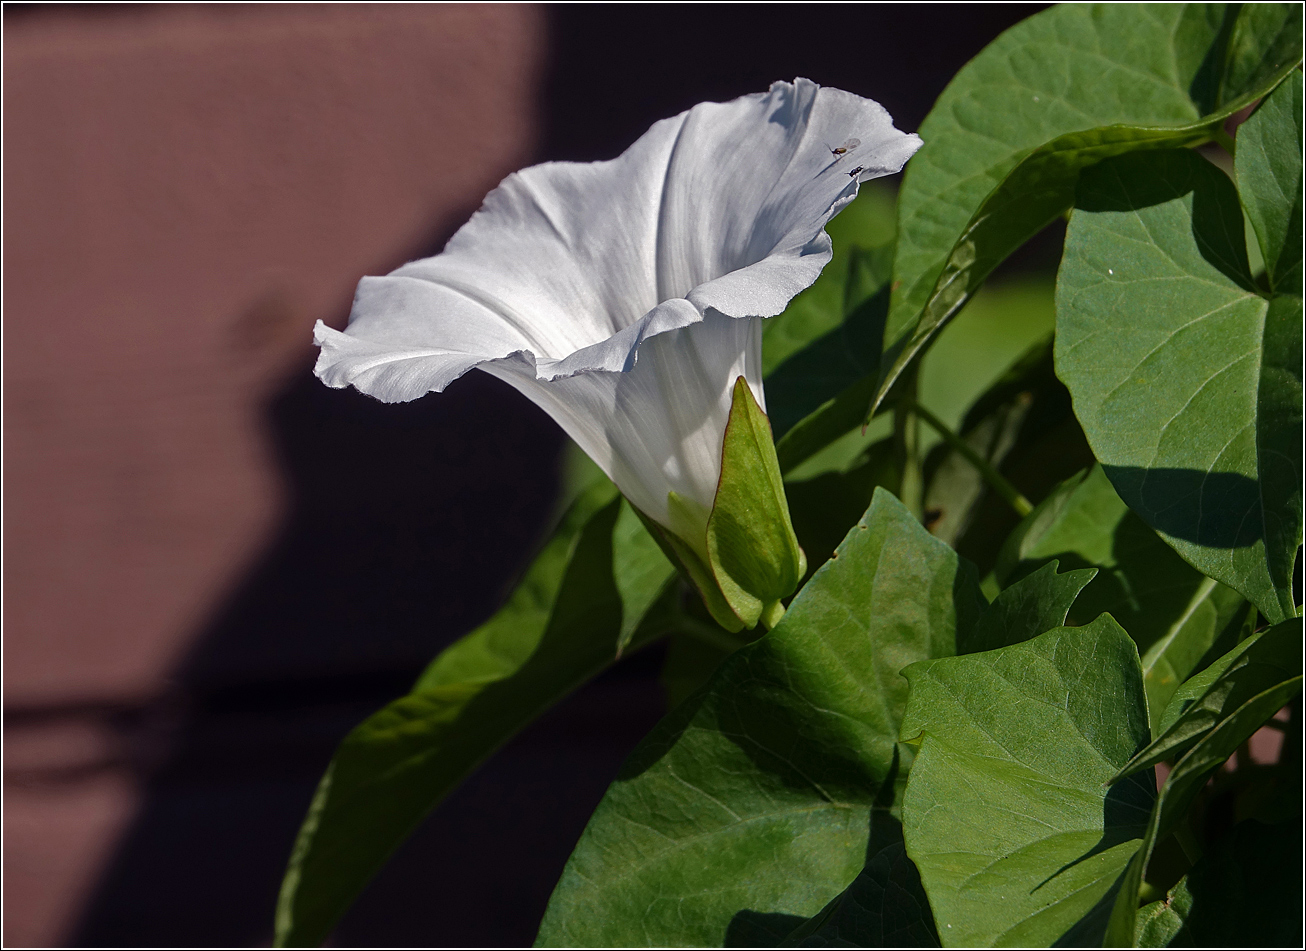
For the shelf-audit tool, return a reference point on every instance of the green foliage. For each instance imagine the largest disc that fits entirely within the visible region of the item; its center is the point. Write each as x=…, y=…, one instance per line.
x=1269, y=169
x=1036, y=603
x=759, y=795
x=1068, y=87
x=899, y=762
x=1203, y=394
x=1219, y=728
x=1179, y=618
x=1259, y=663
x=1007, y=814
x=561, y=626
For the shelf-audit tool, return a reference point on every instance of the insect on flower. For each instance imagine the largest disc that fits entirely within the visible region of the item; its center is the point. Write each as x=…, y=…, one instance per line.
x=849, y=145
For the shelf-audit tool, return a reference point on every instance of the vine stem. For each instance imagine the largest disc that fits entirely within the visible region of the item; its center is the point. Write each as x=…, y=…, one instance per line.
x=992, y=476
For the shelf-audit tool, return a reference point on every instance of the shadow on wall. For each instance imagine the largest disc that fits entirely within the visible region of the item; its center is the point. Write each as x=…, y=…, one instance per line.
x=408, y=524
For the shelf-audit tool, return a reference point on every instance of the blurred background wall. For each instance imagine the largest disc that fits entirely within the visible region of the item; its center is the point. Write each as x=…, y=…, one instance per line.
x=215, y=566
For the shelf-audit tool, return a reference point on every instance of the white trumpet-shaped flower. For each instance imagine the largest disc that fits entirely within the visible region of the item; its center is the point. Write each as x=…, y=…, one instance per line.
x=624, y=297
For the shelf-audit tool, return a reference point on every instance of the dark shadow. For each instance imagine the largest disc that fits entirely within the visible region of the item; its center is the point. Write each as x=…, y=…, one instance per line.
x=408, y=525
x=760, y=929
x=1125, y=811
x=1089, y=930
x=822, y=369
x=1213, y=509
x=1143, y=179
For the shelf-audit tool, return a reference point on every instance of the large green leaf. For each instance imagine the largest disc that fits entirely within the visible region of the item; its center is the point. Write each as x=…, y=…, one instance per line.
x=757, y=797
x=1186, y=380
x=561, y=627
x=1269, y=169
x=1180, y=790
x=1179, y=619
x=1007, y=814
x=884, y=907
x=1204, y=701
x=1246, y=893
x=1066, y=88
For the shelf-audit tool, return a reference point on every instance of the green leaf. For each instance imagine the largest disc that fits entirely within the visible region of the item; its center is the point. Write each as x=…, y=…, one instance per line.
x=754, y=798
x=1246, y=893
x=884, y=907
x=1178, y=618
x=1181, y=788
x=559, y=629
x=1007, y=139
x=1257, y=664
x=1032, y=606
x=1266, y=40
x=1158, y=923
x=1269, y=169
x=639, y=571
x=1187, y=382
x=1007, y=814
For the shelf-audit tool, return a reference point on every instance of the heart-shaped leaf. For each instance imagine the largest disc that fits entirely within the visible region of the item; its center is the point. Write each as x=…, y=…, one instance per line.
x=1187, y=381
x=757, y=797
x=1007, y=814
x=1058, y=92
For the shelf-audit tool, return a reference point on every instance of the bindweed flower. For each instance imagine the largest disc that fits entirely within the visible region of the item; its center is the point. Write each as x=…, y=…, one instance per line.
x=625, y=298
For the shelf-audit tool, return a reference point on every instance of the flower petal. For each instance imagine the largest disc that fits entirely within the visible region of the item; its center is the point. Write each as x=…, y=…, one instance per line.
x=573, y=267
x=656, y=428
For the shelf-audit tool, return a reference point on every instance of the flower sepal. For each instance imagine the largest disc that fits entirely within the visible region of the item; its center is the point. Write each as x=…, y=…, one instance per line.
x=743, y=555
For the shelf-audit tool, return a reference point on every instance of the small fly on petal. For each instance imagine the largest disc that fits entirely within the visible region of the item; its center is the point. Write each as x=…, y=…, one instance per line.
x=857, y=171
x=849, y=145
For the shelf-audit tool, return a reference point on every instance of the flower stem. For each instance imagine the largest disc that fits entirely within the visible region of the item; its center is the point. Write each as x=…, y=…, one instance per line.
x=992, y=476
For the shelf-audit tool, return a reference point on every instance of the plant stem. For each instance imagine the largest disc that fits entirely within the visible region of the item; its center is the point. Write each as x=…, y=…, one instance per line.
x=992, y=476
x=906, y=434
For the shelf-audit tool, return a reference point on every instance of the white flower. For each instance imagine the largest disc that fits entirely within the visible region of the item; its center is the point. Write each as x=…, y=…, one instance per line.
x=625, y=297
